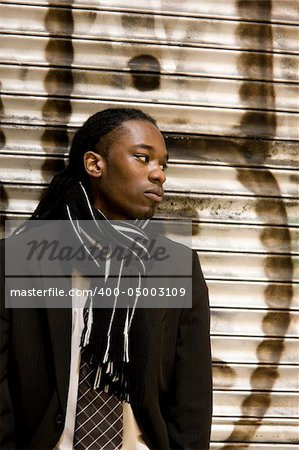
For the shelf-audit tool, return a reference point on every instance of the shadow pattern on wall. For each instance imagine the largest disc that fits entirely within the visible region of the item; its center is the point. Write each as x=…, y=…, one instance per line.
x=256, y=405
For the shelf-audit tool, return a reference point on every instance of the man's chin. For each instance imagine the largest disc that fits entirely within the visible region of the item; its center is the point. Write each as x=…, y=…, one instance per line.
x=142, y=212
x=146, y=214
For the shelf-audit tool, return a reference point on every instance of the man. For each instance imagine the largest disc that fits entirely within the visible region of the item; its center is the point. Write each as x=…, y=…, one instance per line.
x=153, y=363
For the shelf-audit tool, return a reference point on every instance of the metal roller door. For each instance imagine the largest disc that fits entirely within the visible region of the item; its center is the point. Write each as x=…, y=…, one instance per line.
x=222, y=78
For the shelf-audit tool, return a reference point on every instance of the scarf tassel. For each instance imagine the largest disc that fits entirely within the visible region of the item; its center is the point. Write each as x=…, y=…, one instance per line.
x=88, y=326
x=112, y=380
x=126, y=339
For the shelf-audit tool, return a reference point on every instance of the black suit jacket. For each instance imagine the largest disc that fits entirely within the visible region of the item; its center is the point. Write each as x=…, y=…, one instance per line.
x=35, y=364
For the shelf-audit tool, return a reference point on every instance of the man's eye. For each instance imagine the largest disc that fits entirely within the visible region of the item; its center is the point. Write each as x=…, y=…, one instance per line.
x=163, y=167
x=143, y=158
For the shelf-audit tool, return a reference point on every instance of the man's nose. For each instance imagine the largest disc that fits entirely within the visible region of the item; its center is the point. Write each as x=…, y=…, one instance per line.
x=157, y=174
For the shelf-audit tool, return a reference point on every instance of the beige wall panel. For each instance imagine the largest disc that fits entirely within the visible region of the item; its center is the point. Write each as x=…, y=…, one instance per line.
x=20, y=169
x=231, y=239
x=172, y=89
x=281, y=10
x=245, y=266
x=217, y=237
x=232, y=152
x=236, y=322
x=250, y=446
x=272, y=431
x=30, y=140
x=178, y=119
x=225, y=180
x=255, y=350
x=226, y=209
x=242, y=294
x=172, y=59
x=264, y=240
x=230, y=209
x=144, y=28
x=238, y=377
x=20, y=198
x=182, y=148
x=231, y=404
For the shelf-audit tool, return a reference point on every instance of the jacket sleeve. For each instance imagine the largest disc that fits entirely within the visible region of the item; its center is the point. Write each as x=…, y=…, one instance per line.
x=7, y=434
x=190, y=414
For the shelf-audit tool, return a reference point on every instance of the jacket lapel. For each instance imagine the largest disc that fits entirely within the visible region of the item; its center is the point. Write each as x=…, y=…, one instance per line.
x=60, y=324
x=60, y=321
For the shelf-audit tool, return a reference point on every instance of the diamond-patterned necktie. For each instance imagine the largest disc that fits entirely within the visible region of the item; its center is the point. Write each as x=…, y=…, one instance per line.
x=99, y=420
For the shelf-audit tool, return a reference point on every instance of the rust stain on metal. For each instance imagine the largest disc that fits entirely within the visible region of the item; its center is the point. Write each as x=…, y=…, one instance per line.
x=23, y=73
x=2, y=134
x=4, y=204
x=178, y=207
x=55, y=80
x=145, y=71
x=231, y=151
x=274, y=238
x=3, y=193
x=59, y=51
x=279, y=295
x=58, y=81
x=254, y=63
x=276, y=322
x=279, y=268
x=269, y=208
x=222, y=371
x=118, y=82
x=55, y=139
x=145, y=68
x=264, y=378
x=290, y=67
x=131, y=22
x=269, y=349
x=52, y=166
x=58, y=21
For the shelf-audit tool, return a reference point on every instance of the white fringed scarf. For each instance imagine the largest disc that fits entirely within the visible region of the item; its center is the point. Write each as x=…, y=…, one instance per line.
x=107, y=331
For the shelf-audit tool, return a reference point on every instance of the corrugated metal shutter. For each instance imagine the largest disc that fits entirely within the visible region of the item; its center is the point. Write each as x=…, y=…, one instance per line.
x=222, y=79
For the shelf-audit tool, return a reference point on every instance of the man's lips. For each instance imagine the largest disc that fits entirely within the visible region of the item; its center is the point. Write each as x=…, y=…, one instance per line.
x=155, y=194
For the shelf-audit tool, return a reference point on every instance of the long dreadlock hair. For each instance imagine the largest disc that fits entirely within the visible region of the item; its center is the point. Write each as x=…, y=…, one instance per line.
x=89, y=137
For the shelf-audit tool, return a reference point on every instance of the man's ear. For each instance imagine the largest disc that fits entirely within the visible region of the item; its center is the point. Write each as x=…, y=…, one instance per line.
x=94, y=164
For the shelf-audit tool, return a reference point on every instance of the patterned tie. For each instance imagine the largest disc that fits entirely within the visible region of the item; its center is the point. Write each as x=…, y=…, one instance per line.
x=99, y=421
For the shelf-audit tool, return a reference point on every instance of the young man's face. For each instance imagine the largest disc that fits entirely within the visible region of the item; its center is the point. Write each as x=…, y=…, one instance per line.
x=131, y=179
